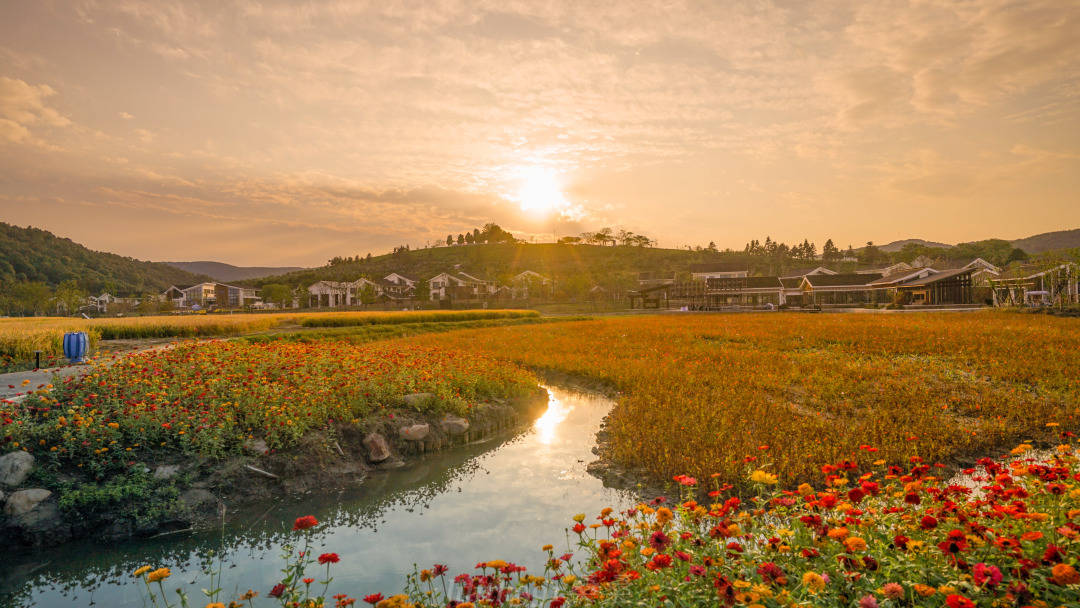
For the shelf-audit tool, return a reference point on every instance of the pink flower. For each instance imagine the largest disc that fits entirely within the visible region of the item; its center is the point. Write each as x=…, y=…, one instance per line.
x=986, y=575
x=868, y=601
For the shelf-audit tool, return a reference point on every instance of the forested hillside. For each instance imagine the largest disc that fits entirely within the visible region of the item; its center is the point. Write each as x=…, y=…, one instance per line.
x=29, y=255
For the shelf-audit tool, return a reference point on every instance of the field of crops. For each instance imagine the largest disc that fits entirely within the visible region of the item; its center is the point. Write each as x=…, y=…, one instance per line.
x=207, y=398
x=20, y=337
x=699, y=394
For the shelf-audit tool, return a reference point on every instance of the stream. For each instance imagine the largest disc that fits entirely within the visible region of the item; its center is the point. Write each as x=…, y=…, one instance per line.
x=499, y=499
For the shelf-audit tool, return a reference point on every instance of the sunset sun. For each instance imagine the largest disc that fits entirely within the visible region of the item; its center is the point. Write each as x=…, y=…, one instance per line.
x=540, y=193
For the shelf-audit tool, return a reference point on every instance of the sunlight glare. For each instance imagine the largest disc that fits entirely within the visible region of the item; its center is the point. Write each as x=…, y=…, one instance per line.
x=547, y=425
x=540, y=193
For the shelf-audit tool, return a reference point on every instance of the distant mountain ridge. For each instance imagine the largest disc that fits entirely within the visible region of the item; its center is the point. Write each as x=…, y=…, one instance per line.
x=32, y=254
x=1047, y=241
x=898, y=245
x=1038, y=243
x=223, y=272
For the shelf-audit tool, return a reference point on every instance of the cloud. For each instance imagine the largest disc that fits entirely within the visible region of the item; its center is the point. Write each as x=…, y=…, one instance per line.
x=23, y=106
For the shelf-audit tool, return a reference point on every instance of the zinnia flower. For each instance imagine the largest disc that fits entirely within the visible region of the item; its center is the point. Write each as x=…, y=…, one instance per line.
x=329, y=558
x=158, y=575
x=141, y=571
x=1064, y=574
x=305, y=522
x=762, y=477
x=893, y=591
x=958, y=601
x=813, y=581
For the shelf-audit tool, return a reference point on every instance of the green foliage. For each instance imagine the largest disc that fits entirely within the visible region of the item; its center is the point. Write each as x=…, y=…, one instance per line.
x=31, y=255
x=133, y=495
x=277, y=293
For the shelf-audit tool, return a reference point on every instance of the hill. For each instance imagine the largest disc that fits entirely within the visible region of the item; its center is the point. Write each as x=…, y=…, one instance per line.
x=575, y=267
x=225, y=273
x=895, y=246
x=1048, y=241
x=34, y=255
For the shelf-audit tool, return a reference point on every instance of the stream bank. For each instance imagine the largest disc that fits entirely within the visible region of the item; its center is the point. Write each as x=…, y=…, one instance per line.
x=43, y=508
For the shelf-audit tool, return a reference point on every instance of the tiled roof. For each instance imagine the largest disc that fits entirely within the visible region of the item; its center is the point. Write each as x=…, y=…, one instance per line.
x=846, y=279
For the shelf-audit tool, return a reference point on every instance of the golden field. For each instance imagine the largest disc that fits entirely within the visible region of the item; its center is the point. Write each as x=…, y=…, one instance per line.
x=21, y=336
x=698, y=394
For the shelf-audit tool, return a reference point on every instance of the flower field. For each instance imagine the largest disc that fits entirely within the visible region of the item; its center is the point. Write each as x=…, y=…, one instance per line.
x=208, y=398
x=698, y=393
x=20, y=337
x=1008, y=534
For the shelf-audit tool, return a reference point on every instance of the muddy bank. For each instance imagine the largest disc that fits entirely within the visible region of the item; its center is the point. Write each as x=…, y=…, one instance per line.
x=40, y=508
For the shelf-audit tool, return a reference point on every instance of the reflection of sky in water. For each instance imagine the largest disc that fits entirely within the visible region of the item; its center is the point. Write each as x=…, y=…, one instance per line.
x=465, y=505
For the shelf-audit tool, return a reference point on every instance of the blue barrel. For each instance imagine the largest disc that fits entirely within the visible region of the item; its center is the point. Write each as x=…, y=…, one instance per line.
x=76, y=345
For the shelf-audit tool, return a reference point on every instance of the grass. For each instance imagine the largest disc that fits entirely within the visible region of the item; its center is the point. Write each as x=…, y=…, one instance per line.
x=701, y=393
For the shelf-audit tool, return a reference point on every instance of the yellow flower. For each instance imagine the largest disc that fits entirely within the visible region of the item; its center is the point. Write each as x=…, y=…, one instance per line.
x=215, y=605
x=1020, y=449
x=580, y=517
x=762, y=477
x=546, y=548
x=569, y=579
x=158, y=575
x=664, y=515
x=813, y=581
x=805, y=489
x=141, y=571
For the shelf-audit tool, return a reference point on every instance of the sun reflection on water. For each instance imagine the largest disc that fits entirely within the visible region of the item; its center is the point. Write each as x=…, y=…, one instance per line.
x=547, y=425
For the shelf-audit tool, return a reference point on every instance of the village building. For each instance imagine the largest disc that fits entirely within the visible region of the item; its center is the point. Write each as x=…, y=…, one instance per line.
x=1035, y=285
x=395, y=286
x=335, y=294
x=458, y=285
x=719, y=270
x=938, y=288
x=530, y=284
x=839, y=289
x=218, y=295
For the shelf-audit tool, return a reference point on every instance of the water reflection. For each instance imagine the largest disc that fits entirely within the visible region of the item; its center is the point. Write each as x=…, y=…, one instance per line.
x=547, y=425
x=502, y=498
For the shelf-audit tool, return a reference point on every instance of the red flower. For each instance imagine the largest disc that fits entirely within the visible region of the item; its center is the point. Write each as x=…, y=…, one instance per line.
x=308, y=581
x=374, y=598
x=928, y=523
x=305, y=522
x=329, y=558
x=277, y=590
x=959, y=601
x=439, y=569
x=579, y=528
x=558, y=602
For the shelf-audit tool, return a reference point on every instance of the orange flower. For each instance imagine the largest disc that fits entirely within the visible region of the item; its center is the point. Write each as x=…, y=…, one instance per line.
x=1064, y=574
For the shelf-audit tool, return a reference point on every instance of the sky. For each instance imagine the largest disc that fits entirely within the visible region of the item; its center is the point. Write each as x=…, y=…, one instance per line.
x=286, y=133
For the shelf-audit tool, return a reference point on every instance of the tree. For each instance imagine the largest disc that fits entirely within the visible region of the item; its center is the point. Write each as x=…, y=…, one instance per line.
x=30, y=298
x=476, y=235
x=830, y=253
x=469, y=238
x=277, y=293
x=148, y=303
x=570, y=240
x=423, y=290
x=461, y=239
x=367, y=294
x=70, y=296
x=712, y=246
x=449, y=240
x=870, y=254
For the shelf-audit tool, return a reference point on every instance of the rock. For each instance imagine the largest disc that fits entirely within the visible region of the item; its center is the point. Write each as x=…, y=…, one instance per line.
x=454, y=425
x=418, y=400
x=416, y=432
x=166, y=471
x=15, y=468
x=377, y=447
x=199, y=501
x=24, y=501
x=256, y=447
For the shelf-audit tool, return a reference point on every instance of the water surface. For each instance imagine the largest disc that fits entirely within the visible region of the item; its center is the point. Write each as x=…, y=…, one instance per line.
x=500, y=499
